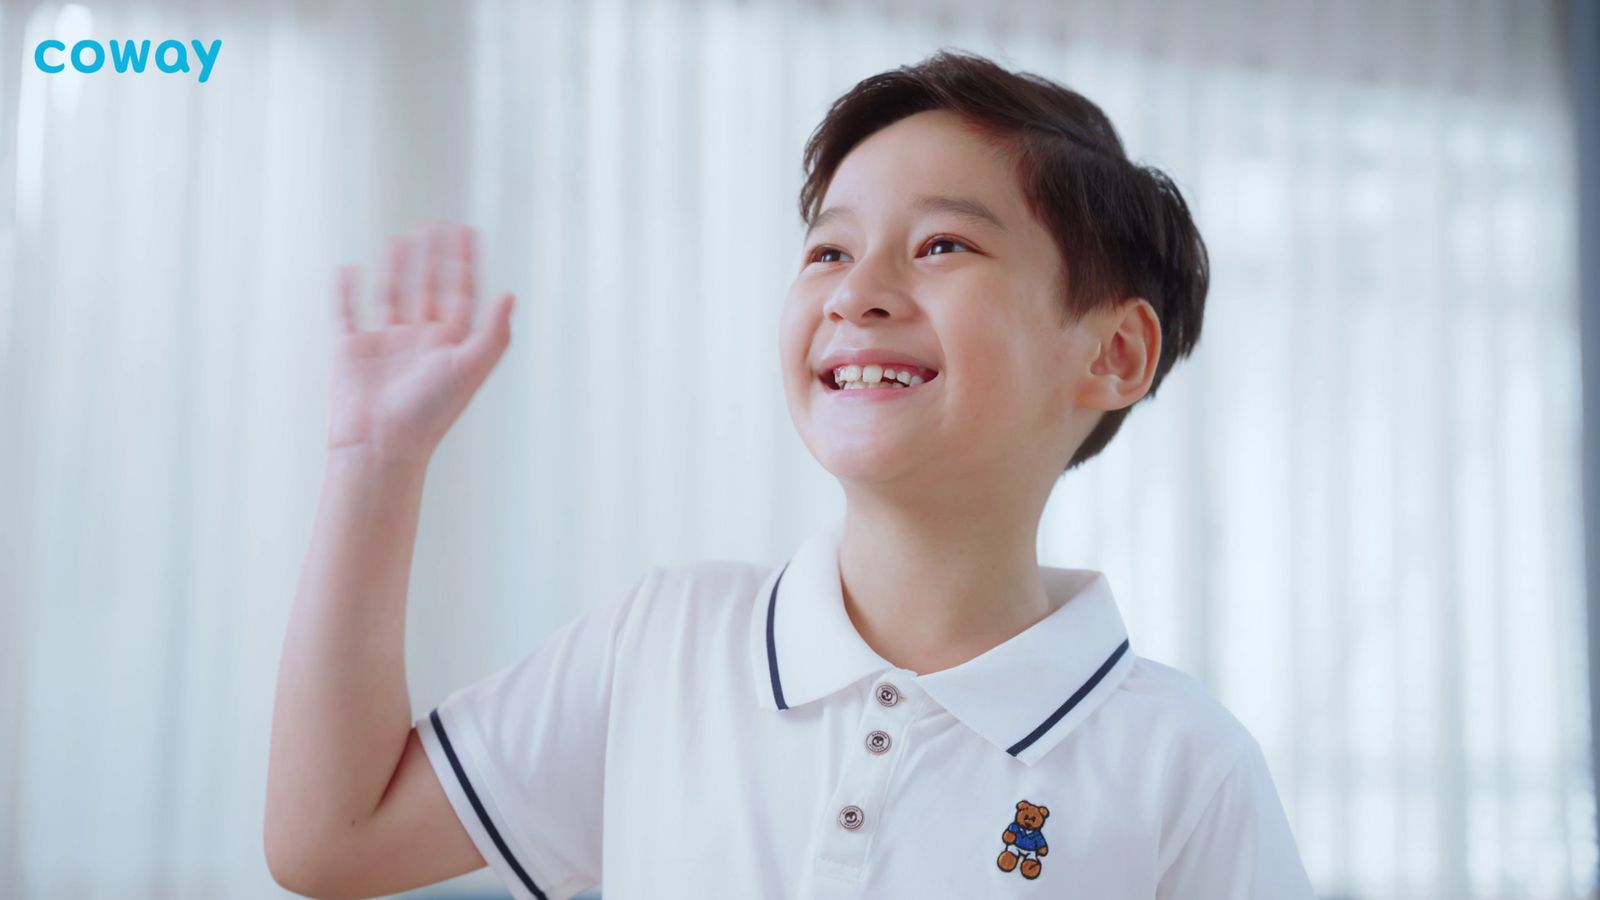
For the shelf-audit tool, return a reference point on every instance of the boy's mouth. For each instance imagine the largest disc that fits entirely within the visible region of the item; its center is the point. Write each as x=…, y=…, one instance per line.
x=874, y=377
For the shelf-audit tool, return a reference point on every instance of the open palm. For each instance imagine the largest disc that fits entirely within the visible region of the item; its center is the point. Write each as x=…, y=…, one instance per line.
x=397, y=389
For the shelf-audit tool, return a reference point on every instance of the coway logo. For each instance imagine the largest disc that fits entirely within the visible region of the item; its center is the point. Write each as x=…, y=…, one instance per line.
x=90, y=56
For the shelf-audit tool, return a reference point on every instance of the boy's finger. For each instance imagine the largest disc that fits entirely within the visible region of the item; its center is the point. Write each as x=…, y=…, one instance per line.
x=346, y=300
x=432, y=250
x=464, y=295
x=395, y=278
x=469, y=264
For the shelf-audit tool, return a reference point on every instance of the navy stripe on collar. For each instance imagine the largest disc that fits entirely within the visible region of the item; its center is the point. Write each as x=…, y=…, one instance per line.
x=772, y=648
x=483, y=814
x=1060, y=713
x=1072, y=701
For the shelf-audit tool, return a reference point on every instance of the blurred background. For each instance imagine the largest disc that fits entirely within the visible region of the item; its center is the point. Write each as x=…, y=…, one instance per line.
x=1356, y=513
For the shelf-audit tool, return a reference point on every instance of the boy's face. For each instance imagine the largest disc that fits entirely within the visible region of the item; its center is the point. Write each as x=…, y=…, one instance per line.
x=977, y=301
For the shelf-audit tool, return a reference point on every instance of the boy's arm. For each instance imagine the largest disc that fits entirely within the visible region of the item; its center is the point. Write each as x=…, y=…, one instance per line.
x=352, y=805
x=1241, y=846
x=347, y=784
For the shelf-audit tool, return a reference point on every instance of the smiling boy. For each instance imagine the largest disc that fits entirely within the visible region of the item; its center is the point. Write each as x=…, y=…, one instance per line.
x=910, y=705
x=925, y=251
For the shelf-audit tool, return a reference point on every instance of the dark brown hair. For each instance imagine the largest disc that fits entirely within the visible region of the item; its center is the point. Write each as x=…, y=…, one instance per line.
x=1123, y=229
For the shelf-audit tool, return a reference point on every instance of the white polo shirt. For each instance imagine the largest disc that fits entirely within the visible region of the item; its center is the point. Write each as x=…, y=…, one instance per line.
x=722, y=730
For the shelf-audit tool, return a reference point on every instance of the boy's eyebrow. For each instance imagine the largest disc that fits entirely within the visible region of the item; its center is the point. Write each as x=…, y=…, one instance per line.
x=965, y=207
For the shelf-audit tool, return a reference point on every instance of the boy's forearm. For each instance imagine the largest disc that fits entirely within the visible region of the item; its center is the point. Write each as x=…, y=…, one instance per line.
x=342, y=712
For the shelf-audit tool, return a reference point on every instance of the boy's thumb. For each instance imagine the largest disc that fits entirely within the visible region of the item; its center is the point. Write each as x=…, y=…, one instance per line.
x=483, y=347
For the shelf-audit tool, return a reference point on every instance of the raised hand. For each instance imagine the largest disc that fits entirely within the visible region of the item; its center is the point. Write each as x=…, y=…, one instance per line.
x=398, y=388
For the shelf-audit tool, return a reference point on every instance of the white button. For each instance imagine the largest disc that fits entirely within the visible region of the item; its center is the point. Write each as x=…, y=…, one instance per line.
x=888, y=694
x=878, y=741
x=851, y=817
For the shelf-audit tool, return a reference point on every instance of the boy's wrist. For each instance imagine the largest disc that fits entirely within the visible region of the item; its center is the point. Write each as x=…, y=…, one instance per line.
x=367, y=461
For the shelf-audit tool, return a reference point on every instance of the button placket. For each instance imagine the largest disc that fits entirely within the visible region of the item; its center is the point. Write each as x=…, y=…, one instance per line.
x=863, y=778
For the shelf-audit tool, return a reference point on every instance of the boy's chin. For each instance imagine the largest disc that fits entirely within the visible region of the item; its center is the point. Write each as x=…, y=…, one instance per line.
x=867, y=464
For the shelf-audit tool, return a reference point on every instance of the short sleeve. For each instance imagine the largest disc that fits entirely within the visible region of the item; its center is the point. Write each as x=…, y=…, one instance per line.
x=1241, y=847
x=521, y=754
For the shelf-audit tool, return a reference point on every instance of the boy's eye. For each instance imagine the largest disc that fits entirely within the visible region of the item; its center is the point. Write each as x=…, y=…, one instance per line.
x=820, y=253
x=936, y=243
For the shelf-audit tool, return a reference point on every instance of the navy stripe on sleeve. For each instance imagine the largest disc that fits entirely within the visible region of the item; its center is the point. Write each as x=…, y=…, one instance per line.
x=483, y=814
x=1072, y=701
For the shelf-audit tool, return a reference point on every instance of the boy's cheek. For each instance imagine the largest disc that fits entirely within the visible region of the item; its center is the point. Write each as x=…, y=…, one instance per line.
x=797, y=334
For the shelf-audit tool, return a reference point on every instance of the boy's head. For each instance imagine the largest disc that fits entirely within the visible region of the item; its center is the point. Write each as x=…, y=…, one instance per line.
x=986, y=225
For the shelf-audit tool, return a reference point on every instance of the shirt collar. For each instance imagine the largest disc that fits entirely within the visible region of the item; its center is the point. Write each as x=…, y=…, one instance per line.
x=1022, y=696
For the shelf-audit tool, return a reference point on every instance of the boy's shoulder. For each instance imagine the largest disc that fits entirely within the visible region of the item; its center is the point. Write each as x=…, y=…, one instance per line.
x=1175, y=709
x=699, y=591
x=710, y=580
x=708, y=603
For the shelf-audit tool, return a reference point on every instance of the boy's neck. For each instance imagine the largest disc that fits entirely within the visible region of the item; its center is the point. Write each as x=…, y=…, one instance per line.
x=930, y=593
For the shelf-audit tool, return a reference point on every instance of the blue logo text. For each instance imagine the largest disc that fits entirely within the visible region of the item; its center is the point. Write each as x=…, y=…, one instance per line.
x=89, y=56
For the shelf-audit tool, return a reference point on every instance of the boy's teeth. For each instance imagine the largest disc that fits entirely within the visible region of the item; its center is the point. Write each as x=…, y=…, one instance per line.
x=862, y=376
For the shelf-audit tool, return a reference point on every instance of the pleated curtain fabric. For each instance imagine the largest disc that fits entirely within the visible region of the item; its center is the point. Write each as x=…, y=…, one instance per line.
x=1354, y=512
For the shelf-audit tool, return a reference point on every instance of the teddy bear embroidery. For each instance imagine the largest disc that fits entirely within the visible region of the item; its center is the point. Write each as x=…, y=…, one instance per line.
x=1024, y=841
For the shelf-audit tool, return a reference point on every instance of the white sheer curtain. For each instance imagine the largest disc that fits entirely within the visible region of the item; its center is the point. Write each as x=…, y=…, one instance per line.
x=1354, y=512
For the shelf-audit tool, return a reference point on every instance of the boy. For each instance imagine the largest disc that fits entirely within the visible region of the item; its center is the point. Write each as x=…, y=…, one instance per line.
x=910, y=706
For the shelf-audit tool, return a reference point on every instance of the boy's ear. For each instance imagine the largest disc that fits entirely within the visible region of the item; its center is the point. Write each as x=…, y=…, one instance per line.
x=1124, y=370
